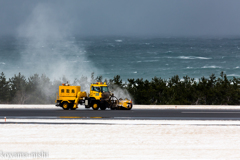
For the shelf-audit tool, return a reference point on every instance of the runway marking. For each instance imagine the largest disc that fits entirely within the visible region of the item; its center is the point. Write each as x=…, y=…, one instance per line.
x=69, y=117
x=210, y=112
x=78, y=117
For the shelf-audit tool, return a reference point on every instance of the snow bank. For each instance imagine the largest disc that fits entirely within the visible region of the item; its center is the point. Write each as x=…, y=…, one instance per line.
x=123, y=141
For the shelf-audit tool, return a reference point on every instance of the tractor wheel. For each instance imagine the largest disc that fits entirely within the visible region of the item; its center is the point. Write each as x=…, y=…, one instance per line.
x=95, y=106
x=65, y=106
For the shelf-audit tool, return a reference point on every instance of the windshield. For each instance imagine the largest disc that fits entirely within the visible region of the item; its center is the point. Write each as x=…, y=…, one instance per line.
x=96, y=89
x=104, y=89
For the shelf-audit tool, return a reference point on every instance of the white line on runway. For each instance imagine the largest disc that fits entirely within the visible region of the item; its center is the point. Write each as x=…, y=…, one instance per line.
x=125, y=122
x=210, y=112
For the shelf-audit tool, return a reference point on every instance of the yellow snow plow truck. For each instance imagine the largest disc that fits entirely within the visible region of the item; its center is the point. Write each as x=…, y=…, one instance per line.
x=99, y=97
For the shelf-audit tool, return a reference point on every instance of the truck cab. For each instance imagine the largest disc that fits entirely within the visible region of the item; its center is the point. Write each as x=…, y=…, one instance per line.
x=98, y=90
x=99, y=95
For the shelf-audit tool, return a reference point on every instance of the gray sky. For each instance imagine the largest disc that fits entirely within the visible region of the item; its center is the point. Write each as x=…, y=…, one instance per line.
x=127, y=17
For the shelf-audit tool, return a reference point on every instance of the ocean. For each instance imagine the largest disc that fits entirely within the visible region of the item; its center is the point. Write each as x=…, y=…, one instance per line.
x=129, y=57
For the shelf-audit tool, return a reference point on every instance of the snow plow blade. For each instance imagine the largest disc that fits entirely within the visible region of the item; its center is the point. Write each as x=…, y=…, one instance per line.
x=125, y=104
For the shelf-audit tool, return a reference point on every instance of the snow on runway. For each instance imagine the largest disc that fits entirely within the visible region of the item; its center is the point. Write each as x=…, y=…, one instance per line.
x=75, y=138
x=123, y=122
x=89, y=141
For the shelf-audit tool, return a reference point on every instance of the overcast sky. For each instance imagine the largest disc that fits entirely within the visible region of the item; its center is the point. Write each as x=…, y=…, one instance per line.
x=127, y=17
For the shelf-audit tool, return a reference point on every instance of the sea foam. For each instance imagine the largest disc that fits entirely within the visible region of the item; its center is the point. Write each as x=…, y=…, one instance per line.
x=193, y=57
x=118, y=40
x=190, y=57
x=233, y=75
x=211, y=67
x=189, y=67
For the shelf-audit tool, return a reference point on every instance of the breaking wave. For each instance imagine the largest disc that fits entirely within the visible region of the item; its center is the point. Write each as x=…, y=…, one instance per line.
x=190, y=57
x=211, y=67
x=233, y=75
x=118, y=40
x=189, y=67
x=151, y=61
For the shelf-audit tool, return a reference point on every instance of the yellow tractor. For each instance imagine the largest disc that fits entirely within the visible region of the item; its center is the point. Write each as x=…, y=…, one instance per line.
x=99, y=97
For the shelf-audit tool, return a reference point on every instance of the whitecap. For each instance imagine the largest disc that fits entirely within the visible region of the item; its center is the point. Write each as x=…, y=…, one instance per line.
x=135, y=72
x=189, y=57
x=203, y=58
x=118, y=40
x=211, y=67
x=192, y=57
x=189, y=67
x=2, y=63
x=237, y=67
x=233, y=75
x=139, y=61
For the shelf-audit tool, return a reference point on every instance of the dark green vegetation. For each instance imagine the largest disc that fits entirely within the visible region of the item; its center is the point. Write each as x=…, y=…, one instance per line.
x=206, y=91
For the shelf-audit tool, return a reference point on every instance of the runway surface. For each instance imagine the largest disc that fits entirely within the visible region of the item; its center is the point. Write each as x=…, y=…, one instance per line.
x=146, y=114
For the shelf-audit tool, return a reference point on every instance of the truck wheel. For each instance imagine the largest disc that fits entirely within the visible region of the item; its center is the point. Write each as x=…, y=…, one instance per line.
x=103, y=107
x=87, y=106
x=71, y=106
x=95, y=106
x=65, y=106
